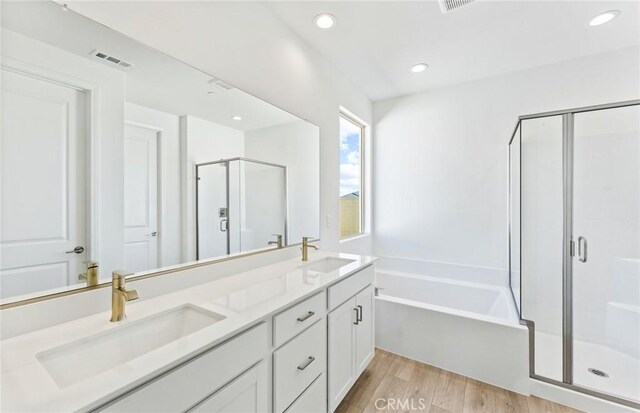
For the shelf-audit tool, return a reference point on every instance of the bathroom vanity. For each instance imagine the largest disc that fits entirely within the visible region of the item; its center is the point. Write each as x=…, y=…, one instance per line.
x=286, y=337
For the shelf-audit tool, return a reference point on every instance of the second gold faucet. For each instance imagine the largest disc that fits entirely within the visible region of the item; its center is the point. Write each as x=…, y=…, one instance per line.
x=120, y=295
x=305, y=248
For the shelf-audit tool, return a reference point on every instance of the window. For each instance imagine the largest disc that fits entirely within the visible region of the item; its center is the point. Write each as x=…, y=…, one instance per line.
x=351, y=177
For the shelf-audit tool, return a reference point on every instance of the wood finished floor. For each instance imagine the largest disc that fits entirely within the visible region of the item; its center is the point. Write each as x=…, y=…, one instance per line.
x=433, y=390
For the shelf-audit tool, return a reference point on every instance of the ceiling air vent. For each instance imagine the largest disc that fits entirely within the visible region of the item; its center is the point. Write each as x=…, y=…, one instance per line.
x=220, y=83
x=450, y=5
x=111, y=59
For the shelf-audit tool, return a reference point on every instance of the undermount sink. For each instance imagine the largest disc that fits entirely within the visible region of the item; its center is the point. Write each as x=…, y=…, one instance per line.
x=90, y=356
x=327, y=264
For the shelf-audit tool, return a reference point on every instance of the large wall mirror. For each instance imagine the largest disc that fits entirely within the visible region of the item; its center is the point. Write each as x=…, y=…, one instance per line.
x=115, y=153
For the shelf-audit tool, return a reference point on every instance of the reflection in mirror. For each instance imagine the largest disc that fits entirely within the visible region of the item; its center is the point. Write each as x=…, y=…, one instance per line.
x=254, y=192
x=116, y=153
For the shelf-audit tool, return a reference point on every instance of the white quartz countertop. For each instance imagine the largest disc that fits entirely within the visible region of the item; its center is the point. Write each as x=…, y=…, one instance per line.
x=244, y=299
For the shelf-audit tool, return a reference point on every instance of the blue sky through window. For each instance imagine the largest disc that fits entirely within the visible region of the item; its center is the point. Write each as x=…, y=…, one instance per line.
x=349, y=157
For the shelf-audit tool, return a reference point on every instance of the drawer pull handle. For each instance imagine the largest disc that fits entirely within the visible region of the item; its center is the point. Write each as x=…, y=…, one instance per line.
x=306, y=316
x=306, y=363
x=359, y=313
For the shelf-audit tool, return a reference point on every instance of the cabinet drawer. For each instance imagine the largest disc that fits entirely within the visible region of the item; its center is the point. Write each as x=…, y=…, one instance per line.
x=189, y=383
x=345, y=289
x=248, y=393
x=295, y=319
x=297, y=364
x=313, y=400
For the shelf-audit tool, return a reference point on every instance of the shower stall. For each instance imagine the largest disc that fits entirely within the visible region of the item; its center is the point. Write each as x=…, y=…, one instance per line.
x=574, y=246
x=241, y=205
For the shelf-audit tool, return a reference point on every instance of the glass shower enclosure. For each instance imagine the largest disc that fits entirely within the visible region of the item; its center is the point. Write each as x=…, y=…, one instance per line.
x=574, y=246
x=241, y=205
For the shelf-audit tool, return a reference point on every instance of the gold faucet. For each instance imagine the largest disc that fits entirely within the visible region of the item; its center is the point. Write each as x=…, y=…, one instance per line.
x=92, y=274
x=119, y=295
x=305, y=248
x=278, y=241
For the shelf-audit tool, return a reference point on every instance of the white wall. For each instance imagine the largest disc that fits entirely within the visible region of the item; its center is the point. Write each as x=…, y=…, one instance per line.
x=294, y=145
x=57, y=64
x=168, y=127
x=441, y=190
x=268, y=61
x=202, y=141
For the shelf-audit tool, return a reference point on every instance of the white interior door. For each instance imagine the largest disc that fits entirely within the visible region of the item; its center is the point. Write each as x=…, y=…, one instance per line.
x=140, y=198
x=43, y=178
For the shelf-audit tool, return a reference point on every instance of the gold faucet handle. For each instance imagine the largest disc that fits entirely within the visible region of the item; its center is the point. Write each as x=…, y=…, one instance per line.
x=130, y=295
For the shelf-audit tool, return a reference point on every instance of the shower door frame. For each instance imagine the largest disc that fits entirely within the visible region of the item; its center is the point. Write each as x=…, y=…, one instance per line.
x=568, y=252
x=226, y=165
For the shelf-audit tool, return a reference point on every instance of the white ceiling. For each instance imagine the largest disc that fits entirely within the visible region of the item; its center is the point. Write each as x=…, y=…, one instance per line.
x=375, y=43
x=156, y=80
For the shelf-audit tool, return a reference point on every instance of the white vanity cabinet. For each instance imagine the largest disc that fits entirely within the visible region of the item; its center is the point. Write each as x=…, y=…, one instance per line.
x=303, y=359
x=248, y=393
x=299, y=363
x=350, y=334
x=209, y=382
x=314, y=398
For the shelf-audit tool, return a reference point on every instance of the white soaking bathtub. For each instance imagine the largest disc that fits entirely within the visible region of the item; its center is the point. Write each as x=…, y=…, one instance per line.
x=464, y=327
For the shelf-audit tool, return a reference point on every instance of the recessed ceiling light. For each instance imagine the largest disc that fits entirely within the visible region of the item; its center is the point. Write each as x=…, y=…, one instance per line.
x=603, y=18
x=236, y=117
x=325, y=21
x=420, y=67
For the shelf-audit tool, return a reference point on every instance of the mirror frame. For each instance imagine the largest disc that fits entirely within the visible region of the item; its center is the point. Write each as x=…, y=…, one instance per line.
x=147, y=274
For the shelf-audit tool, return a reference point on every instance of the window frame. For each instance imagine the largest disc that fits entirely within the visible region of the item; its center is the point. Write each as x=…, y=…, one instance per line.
x=346, y=115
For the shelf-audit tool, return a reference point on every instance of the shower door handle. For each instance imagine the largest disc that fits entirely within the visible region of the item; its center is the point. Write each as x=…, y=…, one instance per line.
x=582, y=249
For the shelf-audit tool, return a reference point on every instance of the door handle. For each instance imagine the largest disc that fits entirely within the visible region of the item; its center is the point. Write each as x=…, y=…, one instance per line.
x=359, y=313
x=224, y=225
x=77, y=250
x=582, y=249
